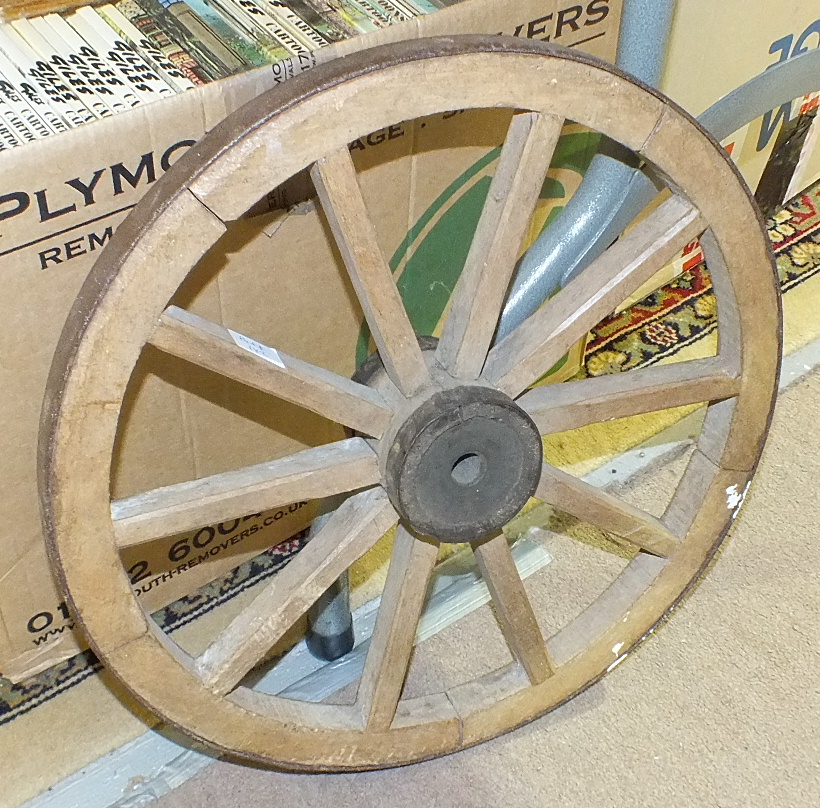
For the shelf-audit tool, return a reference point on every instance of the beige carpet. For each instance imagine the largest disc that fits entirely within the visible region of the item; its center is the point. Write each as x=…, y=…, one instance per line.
x=719, y=708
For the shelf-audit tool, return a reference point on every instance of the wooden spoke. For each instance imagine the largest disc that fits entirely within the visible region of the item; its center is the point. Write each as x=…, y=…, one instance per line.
x=513, y=607
x=338, y=188
x=238, y=357
x=558, y=407
x=352, y=530
x=392, y=642
x=541, y=340
x=585, y=502
x=338, y=467
x=504, y=220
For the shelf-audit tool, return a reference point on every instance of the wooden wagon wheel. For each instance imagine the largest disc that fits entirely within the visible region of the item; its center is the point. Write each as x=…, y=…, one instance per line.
x=460, y=415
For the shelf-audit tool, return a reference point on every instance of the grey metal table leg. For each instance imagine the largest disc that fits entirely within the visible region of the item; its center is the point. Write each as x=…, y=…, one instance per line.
x=612, y=193
x=330, y=623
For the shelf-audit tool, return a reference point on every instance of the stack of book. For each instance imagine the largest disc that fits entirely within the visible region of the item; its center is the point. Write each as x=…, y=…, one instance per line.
x=59, y=71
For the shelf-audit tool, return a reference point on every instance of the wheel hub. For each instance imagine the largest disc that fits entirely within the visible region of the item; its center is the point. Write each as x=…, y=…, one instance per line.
x=463, y=464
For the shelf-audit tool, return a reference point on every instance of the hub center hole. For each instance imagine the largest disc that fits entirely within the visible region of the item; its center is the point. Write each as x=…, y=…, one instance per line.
x=469, y=468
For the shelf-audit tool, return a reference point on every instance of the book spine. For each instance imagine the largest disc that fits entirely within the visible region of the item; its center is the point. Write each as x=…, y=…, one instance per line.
x=33, y=106
x=345, y=16
x=4, y=143
x=357, y=15
x=137, y=74
x=271, y=27
x=38, y=72
x=152, y=56
x=204, y=32
x=389, y=11
x=222, y=27
x=426, y=6
x=107, y=72
x=213, y=67
x=273, y=49
x=31, y=126
x=78, y=84
x=418, y=8
x=328, y=25
x=291, y=66
x=164, y=41
x=80, y=64
x=12, y=127
x=280, y=10
x=8, y=140
x=11, y=97
x=330, y=11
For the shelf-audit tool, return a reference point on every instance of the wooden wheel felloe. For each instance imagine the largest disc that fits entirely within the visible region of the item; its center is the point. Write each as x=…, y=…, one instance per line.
x=444, y=401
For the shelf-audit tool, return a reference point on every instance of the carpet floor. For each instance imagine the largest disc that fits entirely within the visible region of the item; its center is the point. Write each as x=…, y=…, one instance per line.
x=718, y=709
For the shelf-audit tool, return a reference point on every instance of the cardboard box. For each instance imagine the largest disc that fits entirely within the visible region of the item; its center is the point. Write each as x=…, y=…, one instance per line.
x=277, y=278
x=715, y=47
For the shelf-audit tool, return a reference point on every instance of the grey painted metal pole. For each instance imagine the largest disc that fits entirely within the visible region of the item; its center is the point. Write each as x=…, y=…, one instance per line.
x=613, y=194
x=569, y=244
x=781, y=83
x=330, y=622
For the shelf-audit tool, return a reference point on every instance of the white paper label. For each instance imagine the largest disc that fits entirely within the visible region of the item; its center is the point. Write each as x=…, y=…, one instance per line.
x=254, y=347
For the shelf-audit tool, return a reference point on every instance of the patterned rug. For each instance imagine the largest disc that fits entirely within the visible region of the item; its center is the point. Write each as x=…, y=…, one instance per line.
x=683, y=312
x=657, y=327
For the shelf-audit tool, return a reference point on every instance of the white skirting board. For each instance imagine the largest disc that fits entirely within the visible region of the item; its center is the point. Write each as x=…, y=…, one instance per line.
x=158, y=765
